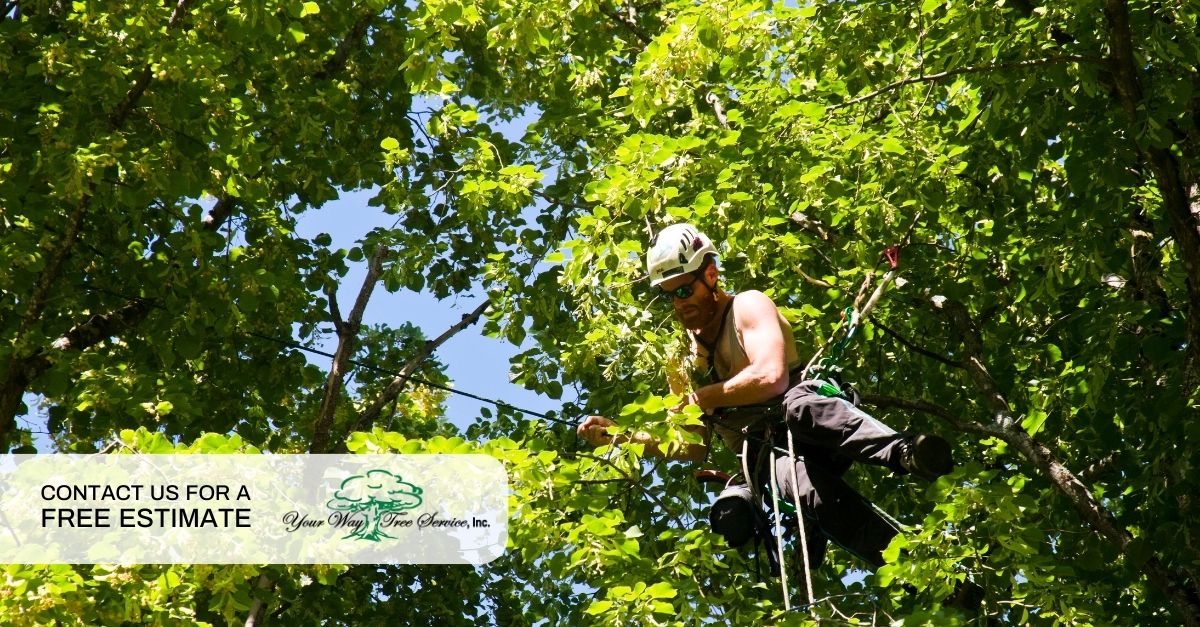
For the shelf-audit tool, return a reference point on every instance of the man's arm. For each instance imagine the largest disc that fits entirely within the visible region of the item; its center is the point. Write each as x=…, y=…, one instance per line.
x=766, y=376
x=595, y=431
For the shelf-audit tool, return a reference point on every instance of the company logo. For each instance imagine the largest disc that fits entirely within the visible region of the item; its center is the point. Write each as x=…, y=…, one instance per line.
x=372, y=506
x=374, y=499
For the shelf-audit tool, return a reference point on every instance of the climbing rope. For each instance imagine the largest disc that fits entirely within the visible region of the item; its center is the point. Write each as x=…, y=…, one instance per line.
x=853, y=316
x=412, y=379
x=800, y=518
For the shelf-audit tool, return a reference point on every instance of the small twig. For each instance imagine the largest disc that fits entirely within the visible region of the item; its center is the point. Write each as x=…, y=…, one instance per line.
x=813, y=280
x=884, y=401
x=636, y=482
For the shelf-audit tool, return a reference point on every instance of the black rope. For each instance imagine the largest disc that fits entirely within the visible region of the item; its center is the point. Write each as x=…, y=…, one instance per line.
x=300, y=347
x=407, y=378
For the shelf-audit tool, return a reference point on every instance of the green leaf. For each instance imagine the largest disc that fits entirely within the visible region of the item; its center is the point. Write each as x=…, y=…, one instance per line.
x=451, y=11
x=310, y=8
x=661, y=590
x=892, y=145
x=598, y=607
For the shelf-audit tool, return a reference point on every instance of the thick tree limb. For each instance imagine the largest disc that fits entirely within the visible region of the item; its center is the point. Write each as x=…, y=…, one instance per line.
x=1089, y=508
x=883, y=401
x=22, y=366
x=560, y=202
x=117, y=118
x=18, y=371
x=1146, y=260
x=53, y=269
x=256, y=607
x=95, y=330
x=1168, y=176
x=341, y=55
x=347, y=332
x=102, y=326
x=371, y=414
x=811, y=225
x=98, y=327
x=219, y=213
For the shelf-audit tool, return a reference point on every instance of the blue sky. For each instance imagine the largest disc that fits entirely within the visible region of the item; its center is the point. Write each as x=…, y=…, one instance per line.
x=474, y=362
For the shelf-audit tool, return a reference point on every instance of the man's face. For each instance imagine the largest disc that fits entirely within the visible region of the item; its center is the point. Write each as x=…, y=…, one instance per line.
x=698, y=309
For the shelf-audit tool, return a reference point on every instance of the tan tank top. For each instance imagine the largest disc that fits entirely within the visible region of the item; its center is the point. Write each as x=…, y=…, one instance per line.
x=730, y=359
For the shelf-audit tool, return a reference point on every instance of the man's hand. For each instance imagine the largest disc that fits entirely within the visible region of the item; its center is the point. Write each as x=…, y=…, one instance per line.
x=595, y=430
x=696, y=398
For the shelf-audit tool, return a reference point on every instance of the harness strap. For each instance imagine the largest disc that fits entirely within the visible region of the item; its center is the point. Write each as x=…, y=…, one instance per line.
x=711, y=357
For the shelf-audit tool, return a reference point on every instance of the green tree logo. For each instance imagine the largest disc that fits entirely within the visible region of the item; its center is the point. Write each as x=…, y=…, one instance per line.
x=374, y=494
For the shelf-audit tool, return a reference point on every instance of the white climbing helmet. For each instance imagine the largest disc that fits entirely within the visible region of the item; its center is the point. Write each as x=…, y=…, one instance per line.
x=675, y=250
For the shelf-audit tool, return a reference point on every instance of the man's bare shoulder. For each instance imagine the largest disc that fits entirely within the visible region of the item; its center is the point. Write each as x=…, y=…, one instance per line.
x=753, y=300
x=752, y=306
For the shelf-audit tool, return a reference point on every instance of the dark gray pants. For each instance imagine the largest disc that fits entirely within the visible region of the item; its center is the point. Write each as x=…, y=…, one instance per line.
x=829, y=434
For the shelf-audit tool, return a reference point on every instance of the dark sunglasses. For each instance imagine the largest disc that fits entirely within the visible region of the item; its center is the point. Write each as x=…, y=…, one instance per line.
x=682, y=292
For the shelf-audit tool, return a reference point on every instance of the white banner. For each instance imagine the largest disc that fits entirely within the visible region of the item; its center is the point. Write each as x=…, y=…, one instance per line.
x=252, y=509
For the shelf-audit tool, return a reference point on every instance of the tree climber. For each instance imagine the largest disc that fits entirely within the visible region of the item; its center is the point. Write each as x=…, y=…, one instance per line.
x=752, y=361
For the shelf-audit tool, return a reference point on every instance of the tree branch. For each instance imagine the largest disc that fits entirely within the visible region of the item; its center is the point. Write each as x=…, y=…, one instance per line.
x=219, y=213
x=371, y=414
x=812, y=280
x=256, y=607
x=883, y=401
x=347, y=332
x=337, y=62
x=335, y=311
x=117, y=119
x=1168, y=175
x=17, y=377
x=1093, y=513
x=96, y=329
x=933, y=78
x=637, y=31
x=917, y=349
x=961, y=320
x=1146, y=260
